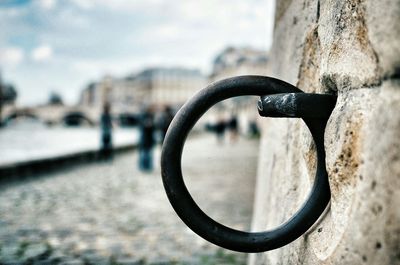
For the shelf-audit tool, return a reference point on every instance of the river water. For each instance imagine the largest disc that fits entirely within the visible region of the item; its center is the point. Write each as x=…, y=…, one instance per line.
x=31, y=140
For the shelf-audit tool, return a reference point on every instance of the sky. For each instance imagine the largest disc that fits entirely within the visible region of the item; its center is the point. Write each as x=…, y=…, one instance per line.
x=62, y=45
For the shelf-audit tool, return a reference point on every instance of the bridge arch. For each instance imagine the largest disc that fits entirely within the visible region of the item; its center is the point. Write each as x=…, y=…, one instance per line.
x=23, y=114
x=76, y=118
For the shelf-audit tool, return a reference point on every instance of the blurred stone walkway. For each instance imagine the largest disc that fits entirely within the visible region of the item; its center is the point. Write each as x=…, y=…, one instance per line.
x=110, y=213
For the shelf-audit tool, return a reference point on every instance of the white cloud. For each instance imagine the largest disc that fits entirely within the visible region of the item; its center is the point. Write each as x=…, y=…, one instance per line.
x=118, y=4
x=12, y=12
x=96, y=68
x=73, y=19
x=42, y=53
x=131, y=5
x=11, y=56
x=168, y=31
x=84, y=4
x=47, y=4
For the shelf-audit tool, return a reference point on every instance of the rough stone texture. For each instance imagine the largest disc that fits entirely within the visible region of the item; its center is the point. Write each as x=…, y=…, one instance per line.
x=351, y=49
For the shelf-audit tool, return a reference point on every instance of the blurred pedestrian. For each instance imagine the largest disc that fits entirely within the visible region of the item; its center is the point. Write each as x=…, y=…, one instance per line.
x=219, y=129
x=165, y=120
x=254, y=131
x=147, y=139
x=233, y=128
x=106, y=149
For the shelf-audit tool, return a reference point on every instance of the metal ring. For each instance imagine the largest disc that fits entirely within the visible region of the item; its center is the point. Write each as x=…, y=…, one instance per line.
x=189, y=211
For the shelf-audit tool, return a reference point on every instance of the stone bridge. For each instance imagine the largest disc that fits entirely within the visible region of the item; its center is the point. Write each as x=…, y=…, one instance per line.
x=53, y=114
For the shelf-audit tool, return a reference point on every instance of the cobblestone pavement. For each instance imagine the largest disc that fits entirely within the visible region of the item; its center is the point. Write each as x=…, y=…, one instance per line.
x=110, y=213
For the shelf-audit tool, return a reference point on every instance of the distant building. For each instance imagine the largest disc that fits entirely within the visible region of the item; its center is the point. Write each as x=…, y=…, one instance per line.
x=171, y=86
x=235, y=62
x=159, y=86
x=162, y=86
x=239, y=61
x=118, y=92
x=88, y=95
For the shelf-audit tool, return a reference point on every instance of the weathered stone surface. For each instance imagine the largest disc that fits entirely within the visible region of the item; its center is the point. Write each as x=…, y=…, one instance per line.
x=350, y=49
x=345, y=44
x=382, y=21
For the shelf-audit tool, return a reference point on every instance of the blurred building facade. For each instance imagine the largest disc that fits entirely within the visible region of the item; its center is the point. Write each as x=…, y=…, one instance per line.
x=157, y=86
x=239, y=61
x=172, y=86
x=161, y=86
x=233, y=62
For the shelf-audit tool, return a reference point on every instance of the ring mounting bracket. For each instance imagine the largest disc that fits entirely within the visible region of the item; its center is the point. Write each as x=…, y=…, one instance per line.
x=278, y=99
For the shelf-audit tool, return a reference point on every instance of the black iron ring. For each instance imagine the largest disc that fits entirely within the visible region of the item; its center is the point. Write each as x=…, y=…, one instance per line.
x=189, y=211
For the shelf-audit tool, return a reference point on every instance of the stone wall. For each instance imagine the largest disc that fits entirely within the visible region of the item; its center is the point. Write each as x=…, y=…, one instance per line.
x=350, y=48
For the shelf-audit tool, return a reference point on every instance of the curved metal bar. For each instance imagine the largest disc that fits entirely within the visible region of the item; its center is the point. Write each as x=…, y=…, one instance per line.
x=189, y=211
